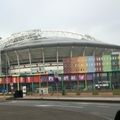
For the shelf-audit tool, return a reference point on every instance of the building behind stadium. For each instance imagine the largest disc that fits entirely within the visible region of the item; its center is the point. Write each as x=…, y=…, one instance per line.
x=59, y=61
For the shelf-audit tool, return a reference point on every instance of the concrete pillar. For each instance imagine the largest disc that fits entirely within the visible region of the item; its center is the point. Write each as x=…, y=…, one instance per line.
x=8, y=60
x=57, y=57
x=30, y=62
x=71, y=52
x=84, y=51
x=18, y=62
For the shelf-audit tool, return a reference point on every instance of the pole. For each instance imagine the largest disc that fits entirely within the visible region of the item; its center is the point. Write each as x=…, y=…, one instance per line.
x=62, y=83
x=110, y=81
x=78, y=85
x=93, y=76
x=86, y=87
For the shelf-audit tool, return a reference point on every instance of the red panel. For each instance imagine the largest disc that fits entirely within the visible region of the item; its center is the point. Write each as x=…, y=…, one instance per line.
x=21, y=79
x=8, y=80
x=1, y=80
x=36, y=78
x=14, y=79
x=29, y=79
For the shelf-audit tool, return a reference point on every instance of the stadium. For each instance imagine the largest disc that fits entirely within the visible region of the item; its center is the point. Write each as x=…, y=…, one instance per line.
x=59, y=61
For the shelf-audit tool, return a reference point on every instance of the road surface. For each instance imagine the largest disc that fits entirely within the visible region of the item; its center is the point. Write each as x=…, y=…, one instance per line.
x=56, y=110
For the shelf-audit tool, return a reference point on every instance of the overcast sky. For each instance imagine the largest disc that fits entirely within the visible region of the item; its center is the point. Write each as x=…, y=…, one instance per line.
x=98, y=18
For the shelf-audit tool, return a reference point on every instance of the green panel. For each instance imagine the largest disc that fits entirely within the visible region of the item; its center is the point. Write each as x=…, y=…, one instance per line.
x=119, y=61
x=106, y=63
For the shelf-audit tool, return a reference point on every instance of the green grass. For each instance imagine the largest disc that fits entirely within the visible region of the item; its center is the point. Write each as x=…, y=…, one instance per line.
x=116, y=92
x=95, y=92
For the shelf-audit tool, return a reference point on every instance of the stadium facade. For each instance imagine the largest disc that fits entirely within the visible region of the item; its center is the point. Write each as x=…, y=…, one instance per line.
x=57, y=59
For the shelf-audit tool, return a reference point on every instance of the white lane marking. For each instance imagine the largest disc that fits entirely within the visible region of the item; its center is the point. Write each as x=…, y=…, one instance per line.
x=101, y=106
x=58, y=106
x=84, y=103
x=43, y=105
x=95, y=104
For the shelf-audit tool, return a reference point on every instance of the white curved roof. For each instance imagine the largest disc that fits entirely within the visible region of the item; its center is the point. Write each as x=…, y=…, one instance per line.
x=37, y=34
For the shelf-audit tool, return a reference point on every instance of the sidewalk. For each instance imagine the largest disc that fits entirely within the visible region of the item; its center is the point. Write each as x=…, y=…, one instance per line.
x=4, y=98
x=77, y=99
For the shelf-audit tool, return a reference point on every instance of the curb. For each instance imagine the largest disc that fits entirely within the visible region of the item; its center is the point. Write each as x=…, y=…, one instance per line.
x=69, y=100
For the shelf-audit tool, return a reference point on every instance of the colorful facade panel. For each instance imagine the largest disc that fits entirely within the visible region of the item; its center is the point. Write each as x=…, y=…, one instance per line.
x=22, y=79
x=98, y=64
x=119, y=61
x=89, y=77
x=75, y=65
x=37, y=79
x=106, y=63
x=82, y=64
x=90, y=64
x=29, y=79
x=67, y=65
x=115, y=62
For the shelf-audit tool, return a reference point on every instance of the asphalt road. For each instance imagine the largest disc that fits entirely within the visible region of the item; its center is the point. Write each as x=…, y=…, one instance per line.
x=53, y=110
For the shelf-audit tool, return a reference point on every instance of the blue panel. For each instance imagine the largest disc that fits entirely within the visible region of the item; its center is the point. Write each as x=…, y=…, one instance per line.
x=90, y=64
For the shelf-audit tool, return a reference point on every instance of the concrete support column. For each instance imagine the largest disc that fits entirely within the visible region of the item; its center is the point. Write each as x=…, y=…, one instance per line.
x=30, y=61
x=94, y=51
x=7, y=65
x=43, y=57
x=71, y=52
x=57, y=57
x=18, y=62
x=84, y=51
x=8, y=61
x=43, y=61
x=86, y=85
